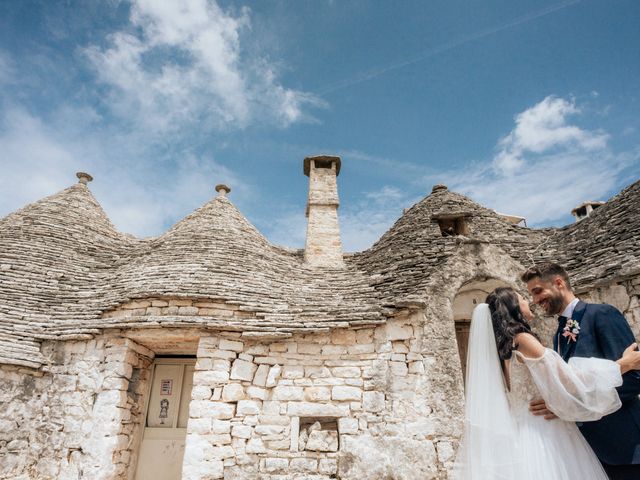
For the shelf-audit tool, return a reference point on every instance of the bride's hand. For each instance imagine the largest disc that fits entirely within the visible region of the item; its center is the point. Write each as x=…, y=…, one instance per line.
x=630, y=359
x=539, y=407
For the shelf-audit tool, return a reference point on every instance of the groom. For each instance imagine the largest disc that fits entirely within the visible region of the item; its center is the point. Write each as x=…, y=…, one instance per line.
x=595, y=330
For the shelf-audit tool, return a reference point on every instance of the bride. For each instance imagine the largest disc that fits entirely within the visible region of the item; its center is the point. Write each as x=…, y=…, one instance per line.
x=507, y=367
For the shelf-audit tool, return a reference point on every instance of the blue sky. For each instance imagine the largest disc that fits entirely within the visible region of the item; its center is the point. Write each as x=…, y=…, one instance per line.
x=528, y=107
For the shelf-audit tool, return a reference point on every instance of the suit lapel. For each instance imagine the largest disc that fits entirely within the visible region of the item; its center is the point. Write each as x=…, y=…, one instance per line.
x=570, y=346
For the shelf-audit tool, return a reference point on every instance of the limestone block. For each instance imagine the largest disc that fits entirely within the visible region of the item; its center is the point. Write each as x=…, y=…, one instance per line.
x=373, y=401
x=400, y=347
x=309, y=465
x=274, y=374
x=206, y=470
x=217, y=393
x=343, y=337
x=159, y=303
x=221, y=365
x=249, y=407
x=218, y=410
x=398, y=331
x=272, y=465
x=314, y=394
x=445, y=451
x=214, y=312
x=271, y=407
x=361, y=349
x=617, y=296
x=342, y=393
x=328, y=466
x=204, y=363
x=188, y=310
x=322, y=441
x=269, y=429
x=404, y=456
x=257, y=349
x=180, y=303
x=354, y=382
x=309, y=348
x=260, y=377
x=201, y=392
x=398, y=368
x=346, y=372
x=210, y=378
x=416, y=367
x=245, y=356
x=257, y=392
x=292, y=371
x=232, y=392
x=223, y=354
x=286, y=393
x=199, y=425
x=208, y=343
x=241, y=431
x=255, y=445
x=243, y=370
x=278, y=347
x=347, y=425
x=219, y=427
x=334, y=350
x=219, y=440
x=317, y=372
x=310, y=409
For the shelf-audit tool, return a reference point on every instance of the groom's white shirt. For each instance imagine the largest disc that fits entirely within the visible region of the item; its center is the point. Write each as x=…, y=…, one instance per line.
x=567, y=312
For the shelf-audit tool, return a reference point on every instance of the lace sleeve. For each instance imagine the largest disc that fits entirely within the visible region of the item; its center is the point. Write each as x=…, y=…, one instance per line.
x=579, y=391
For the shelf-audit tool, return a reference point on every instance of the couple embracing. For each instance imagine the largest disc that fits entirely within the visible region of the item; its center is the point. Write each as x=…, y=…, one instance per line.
x=533, y=413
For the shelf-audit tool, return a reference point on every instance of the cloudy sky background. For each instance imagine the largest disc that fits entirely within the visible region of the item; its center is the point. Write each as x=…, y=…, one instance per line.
x=527, y=107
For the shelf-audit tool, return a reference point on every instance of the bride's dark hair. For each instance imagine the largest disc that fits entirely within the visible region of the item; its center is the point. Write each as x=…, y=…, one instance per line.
x=507, y=319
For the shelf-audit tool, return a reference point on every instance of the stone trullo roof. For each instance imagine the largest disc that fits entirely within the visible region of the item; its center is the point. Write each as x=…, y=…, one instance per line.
x=603, y=246
x=63, y=265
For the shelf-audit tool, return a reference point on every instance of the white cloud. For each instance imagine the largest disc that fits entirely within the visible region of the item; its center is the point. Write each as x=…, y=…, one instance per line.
x=138, y=197
x=183, y=63
x=544, y=167
x=541, y=129
x=39, y=165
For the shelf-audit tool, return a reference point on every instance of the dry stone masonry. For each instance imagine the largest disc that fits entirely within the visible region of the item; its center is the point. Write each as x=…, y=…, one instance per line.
x=307, y=364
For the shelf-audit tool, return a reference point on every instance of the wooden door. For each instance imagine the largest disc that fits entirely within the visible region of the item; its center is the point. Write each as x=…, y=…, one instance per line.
x=165, y=430
x=462, y=336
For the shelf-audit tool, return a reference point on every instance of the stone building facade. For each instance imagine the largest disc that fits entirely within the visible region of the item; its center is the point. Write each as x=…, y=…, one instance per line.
x=209, y=353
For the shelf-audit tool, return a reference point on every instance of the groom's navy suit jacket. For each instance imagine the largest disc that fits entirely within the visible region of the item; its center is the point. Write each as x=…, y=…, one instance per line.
x=604, y=333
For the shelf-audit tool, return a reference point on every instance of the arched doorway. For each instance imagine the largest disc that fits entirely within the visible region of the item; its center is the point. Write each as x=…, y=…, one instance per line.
x=469, y=295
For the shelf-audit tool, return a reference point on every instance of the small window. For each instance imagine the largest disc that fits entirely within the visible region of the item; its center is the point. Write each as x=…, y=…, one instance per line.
x=452, y=226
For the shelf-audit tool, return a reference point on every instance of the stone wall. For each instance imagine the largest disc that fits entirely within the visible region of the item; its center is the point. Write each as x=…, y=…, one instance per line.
x=79, y=418
x=623, y=294
x=350, y=403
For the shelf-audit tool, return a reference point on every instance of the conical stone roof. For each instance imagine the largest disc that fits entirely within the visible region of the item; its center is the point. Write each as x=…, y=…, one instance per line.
x=63, y=265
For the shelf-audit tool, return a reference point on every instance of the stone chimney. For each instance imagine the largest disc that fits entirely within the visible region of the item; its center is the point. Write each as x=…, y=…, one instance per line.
x=323, y=247
x=585, y=209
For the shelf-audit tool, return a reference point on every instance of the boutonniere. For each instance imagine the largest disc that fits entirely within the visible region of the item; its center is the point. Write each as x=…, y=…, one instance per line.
x=571, y=330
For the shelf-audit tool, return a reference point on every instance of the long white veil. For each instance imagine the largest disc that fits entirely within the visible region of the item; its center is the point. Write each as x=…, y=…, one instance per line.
x=488, y=449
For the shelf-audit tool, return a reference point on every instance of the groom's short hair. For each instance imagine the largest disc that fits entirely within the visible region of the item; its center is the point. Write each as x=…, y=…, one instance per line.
x=546, y=272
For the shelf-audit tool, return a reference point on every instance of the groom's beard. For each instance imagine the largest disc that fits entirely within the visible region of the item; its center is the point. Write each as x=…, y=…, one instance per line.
x=553, y=304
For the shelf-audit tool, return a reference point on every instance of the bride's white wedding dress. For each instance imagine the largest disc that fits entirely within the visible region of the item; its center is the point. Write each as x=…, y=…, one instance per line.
x=503, y=440
x=555, y=449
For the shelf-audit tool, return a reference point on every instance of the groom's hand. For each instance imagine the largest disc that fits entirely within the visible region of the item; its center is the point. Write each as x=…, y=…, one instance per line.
x=539, y=407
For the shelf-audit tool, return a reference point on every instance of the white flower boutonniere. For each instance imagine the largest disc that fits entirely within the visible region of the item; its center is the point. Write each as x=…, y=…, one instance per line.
x=571, y=330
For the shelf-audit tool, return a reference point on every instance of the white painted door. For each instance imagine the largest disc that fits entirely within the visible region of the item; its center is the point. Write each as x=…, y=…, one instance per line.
x=162, y=446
